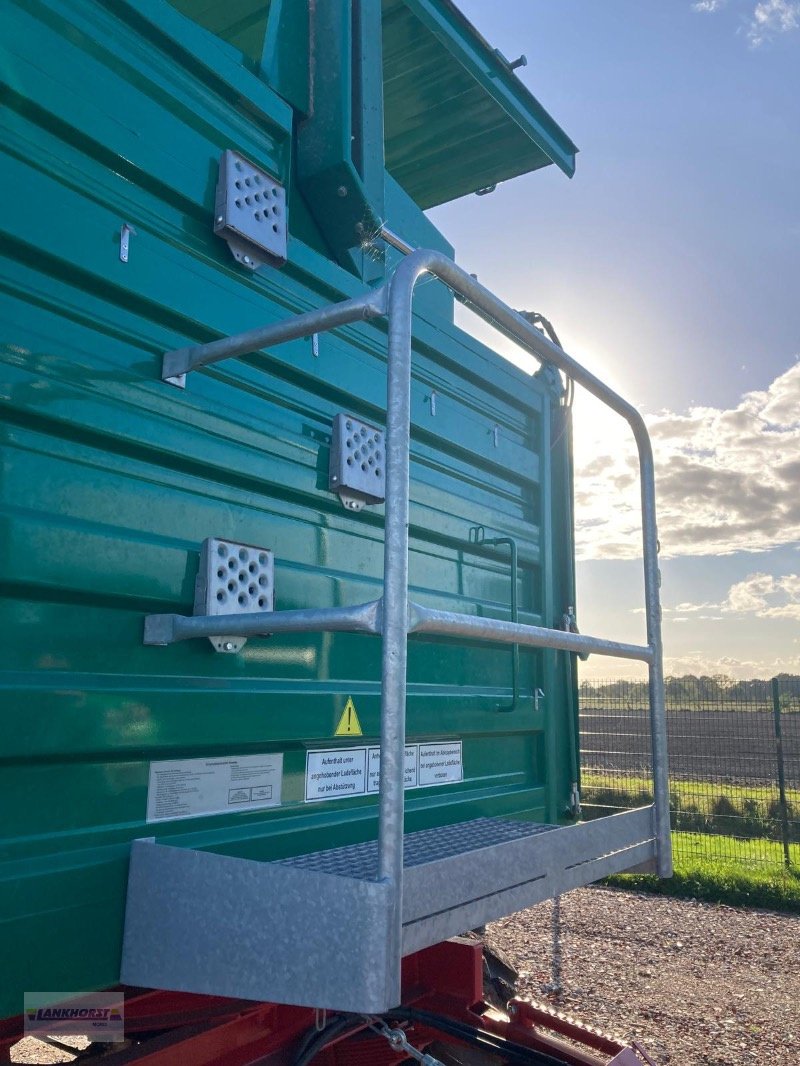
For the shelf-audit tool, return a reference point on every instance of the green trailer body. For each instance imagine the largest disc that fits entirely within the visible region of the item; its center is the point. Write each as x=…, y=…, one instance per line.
x=116, y=115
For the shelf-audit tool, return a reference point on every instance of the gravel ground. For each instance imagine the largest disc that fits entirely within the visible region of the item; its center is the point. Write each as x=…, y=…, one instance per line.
x=698, y=985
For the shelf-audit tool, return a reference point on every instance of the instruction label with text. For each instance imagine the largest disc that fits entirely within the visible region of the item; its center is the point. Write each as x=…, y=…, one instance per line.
x=192, y=788
x=340, y=772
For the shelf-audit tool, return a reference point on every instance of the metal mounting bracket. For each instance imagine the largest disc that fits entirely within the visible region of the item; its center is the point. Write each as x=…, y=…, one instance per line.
x=233, y=579
x=356, y=472
x=250, y=212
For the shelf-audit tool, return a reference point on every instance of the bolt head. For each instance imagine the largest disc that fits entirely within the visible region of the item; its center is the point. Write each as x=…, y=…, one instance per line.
x=220, y=220
x=342, y=191
x=246, y=260
x=228, y=646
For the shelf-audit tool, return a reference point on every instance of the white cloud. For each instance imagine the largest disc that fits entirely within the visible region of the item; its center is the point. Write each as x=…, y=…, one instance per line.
x=727, y=479
x=759, y=595
x=771, y=17
x=764, y=21
x=765, y=596
x=740, y=669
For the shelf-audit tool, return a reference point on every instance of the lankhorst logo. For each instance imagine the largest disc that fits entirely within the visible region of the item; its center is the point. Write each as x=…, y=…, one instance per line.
x=96, y=1015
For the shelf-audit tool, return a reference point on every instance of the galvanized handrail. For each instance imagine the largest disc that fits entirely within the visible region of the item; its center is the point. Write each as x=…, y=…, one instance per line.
x=164, y=629
x=180, y=362
x=392, y=616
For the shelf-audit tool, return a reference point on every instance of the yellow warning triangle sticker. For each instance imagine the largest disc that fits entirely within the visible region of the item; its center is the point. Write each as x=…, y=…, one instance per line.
x=349, y=725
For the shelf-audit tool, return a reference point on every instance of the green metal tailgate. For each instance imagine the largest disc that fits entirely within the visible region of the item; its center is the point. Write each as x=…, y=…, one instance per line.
x=110, y=481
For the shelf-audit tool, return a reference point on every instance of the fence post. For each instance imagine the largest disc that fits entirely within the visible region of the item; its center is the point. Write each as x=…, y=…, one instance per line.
x=776, y=710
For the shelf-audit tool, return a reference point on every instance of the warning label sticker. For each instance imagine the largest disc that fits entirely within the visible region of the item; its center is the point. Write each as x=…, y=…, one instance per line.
x=334, y=773
x=374, y=768
x=191, y=788
x=356, y=771
x=349, y=725
x=439, y=764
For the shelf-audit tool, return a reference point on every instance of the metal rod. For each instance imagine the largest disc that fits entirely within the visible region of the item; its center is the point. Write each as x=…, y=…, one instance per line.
x=450, y=624
x=163, y=629
x=395, y=623
x=776, y=711
x=496, y=542
x=395, y=616
x=397, y=242
x=183, y=360
x=172, y=628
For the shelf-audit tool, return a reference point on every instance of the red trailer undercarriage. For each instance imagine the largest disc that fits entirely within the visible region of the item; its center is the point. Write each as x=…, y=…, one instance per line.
x=444, y=1019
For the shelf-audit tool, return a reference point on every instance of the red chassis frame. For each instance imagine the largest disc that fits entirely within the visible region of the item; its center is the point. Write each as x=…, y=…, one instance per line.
x=183, y=1029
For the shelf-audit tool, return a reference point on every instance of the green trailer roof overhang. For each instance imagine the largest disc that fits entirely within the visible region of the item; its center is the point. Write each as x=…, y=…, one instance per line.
x=456, y=117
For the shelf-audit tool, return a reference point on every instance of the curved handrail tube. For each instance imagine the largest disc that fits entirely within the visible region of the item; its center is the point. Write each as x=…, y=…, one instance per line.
x=401, y=289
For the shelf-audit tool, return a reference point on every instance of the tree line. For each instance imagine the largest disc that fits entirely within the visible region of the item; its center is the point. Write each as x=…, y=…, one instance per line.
x=693, y=688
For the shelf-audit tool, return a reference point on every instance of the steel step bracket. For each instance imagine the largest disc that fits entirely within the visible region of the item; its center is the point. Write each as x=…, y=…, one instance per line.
x=311, y=930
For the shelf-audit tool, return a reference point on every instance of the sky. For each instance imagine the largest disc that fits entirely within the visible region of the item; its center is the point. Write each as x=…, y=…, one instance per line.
x=670, y=266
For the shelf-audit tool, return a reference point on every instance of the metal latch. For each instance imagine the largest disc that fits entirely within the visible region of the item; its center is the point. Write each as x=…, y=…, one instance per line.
x=233, y=579
x=250, y=212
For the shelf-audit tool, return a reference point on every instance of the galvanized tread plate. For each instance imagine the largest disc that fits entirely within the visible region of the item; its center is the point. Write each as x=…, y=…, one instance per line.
x=427, y=845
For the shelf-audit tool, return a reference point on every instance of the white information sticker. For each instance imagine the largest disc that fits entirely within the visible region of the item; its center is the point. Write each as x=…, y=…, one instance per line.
x=336, y=772
x=440, y=763
x=374, y=768
x=191, y=788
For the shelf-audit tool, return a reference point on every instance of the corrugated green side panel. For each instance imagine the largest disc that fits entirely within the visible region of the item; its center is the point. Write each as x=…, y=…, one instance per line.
x=110, y=480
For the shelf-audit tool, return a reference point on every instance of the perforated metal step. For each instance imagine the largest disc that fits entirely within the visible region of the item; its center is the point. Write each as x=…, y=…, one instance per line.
x=424, y=846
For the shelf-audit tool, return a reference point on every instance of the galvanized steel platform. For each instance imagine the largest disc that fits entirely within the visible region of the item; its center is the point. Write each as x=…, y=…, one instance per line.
x=202, y=922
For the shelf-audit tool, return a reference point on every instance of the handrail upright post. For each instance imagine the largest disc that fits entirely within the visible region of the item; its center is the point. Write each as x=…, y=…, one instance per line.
x=658, y=717
x=394, y=652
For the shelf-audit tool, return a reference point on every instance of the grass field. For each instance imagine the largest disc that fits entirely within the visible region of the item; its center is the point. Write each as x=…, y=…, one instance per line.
x=726, y=840
x=702, y=807
x=734, y=877
x=696, y=850
x=686, y=791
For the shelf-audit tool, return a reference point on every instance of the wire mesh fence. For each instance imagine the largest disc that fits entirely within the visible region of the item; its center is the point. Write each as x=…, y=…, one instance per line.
x=734, y=754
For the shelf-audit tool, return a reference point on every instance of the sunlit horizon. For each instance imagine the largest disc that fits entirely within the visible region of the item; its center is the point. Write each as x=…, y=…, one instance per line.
x=669, y=266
